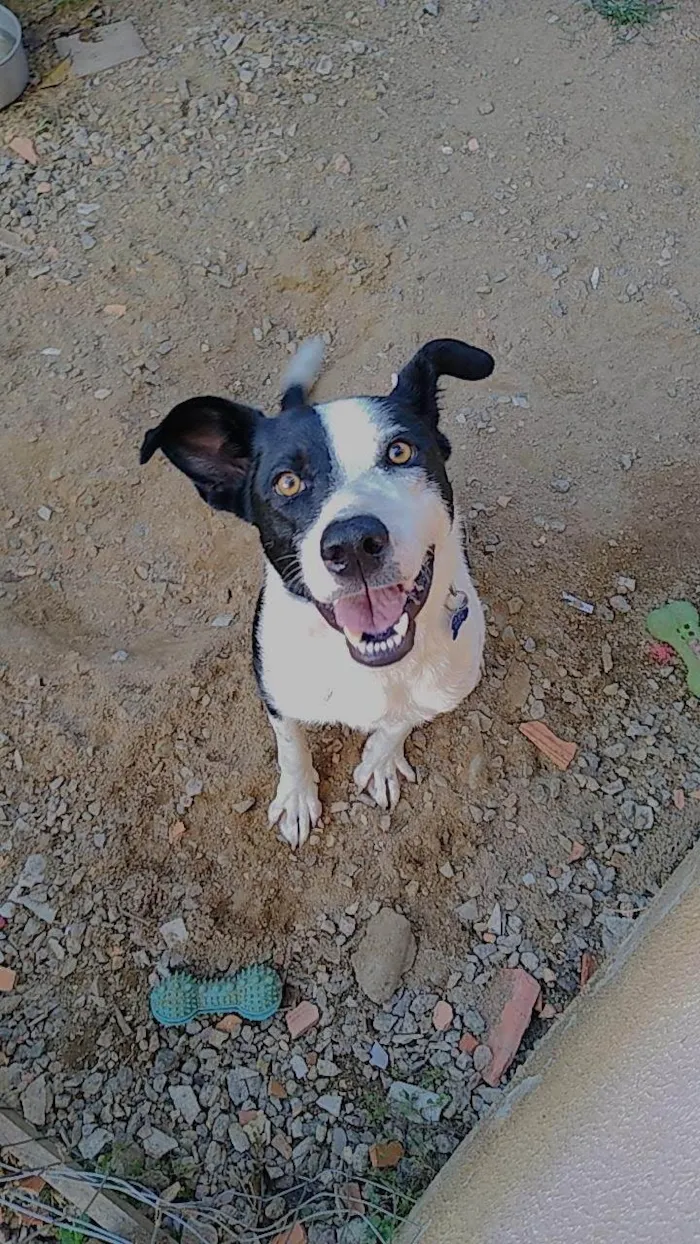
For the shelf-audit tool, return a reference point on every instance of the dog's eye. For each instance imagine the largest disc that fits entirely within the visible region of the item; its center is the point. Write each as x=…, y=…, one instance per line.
x=288, y=484
x=400, y=452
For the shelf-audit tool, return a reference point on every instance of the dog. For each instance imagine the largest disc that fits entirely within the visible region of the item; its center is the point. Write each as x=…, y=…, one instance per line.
x=368, y=615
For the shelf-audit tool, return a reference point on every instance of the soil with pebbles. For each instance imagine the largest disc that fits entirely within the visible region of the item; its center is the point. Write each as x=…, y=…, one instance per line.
x=518, y=177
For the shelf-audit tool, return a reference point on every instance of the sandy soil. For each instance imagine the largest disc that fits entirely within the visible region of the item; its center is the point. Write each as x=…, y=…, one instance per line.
x=587, y=163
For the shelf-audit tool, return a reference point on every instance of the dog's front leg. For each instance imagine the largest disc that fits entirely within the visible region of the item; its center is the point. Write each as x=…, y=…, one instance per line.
x=295, y=807
x=382, y=763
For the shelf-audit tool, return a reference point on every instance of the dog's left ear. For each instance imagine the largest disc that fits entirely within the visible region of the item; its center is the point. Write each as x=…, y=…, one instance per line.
x=210, y=440
x=417, y=384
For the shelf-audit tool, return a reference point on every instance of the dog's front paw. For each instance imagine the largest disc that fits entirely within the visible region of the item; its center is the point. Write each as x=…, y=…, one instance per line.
x=295, y=808
x=379, y=771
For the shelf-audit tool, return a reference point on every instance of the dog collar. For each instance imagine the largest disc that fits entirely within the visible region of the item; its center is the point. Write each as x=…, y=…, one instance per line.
x=457, y=605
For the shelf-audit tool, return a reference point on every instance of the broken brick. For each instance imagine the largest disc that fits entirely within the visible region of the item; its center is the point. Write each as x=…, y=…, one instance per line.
x=386, y=1153
x=230, y=1023
x=275, y=1089
x=442, y=1016
x=546, y=741
x=679, y=799
x=25, y=149
x=302, y=1019
x=467, y=1043
x=7, y=979
x=509, y=1030
x=297, y=1235
x=577, y=852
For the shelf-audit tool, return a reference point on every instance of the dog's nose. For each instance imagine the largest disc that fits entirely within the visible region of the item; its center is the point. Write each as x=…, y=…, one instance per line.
x=353, y=545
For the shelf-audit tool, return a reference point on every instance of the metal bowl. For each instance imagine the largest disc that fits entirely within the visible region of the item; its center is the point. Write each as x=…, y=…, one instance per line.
x=14, y=71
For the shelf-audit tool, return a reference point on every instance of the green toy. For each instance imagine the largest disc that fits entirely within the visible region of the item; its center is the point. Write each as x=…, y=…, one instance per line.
x=678, y=624
x=254, y=993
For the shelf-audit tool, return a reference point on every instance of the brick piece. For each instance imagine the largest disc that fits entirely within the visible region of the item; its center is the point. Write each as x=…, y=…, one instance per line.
x=509, y=1030
x=302, y=1019
x=546, y=741
x=388, y=1153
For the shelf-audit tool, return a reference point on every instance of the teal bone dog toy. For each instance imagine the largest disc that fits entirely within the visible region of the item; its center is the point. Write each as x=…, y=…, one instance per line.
x=254, y=993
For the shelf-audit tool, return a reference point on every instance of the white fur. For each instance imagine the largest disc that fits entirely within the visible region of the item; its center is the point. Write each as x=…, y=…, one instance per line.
x=305, y=367
x=310, y=676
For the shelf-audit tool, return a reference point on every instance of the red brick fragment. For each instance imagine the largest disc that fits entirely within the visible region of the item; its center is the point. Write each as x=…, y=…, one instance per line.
x=302, y=1019
x=467, y=1043
x=389, y=1153
x=509, y=1030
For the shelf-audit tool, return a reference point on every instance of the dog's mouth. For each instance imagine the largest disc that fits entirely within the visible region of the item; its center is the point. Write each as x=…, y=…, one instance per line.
x=379, y=624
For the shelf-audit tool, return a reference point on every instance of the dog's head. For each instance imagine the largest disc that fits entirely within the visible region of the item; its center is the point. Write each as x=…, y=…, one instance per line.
x=350, y=498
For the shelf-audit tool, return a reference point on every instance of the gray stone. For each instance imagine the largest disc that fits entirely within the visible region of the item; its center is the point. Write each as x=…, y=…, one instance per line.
x=468, y=912
x=185, y=1101
x=238, y=1138
x=378, y=1057
x=35, y=1100
x=116, y=43
x=416, y=1103
x=332, y=1103
x=387, y=950
x=157, y=1144
x=481, y=1057
x=92, y=1145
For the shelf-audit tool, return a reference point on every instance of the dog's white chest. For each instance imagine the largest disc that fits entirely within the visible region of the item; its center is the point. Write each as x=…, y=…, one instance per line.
x=310, y=676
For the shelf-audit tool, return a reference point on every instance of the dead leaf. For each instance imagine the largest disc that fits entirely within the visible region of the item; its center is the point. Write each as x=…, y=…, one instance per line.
x=555, y=749
x=56, y=76
x=588, y=967
x=25, y=149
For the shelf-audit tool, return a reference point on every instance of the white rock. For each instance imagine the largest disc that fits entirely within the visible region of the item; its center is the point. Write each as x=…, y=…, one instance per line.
x=185, y=1101
x=174, y=933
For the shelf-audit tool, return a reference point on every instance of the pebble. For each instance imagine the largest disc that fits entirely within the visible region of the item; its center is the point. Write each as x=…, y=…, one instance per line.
x=481, y=1057
x=302, y=1019
x=156, y=1144
x=174, y=933
x=93, y=1144
x=378, y=1056
x=35, y=1101
x=386, y=951
x=185, y=1102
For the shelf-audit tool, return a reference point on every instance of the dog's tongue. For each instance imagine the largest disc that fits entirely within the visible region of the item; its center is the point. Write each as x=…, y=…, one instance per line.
x=372, y=611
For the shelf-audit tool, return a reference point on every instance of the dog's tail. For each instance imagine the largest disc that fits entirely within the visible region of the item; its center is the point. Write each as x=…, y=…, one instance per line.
x=303, y=372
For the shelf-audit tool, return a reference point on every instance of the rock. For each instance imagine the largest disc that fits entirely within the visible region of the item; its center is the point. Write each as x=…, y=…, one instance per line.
x=174, y=933
x=238, y=1138
x=387, y=950
x=222, y=620
x=302, y=1019
x=620, y=604
x=157, y=1144
x=468, y=913
x=495, y=924
x=35, y=1100
x=555, y=749
x=468, y=1043
x=378, y=1057
x=516, y=686
x=324, y=66
x=523, y=991
x=385, y=1155
x=614, y=929
x=561, y=484
x=442, y=1016
x=332, y=1103
x=185, y=1102
x=415, y=1103
x=92, y=1145
x=482, y=1057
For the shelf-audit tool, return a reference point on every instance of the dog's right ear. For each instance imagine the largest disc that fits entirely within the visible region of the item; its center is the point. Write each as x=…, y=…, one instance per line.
x=210, y=439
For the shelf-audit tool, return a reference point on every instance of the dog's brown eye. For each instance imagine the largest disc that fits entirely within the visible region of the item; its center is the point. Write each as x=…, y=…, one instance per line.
x=288, y=484
x=399, y=453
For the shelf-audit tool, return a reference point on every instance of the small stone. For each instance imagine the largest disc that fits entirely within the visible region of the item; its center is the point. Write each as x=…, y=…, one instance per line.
x=443, y=1016
x=115, y=309
x=324, y=66
x=101, y=394
x=486, y=109
x=25, y=149
x=157, y=1144
x=378, y=1057
x=516, y=686
x=620, y=604
x=174, y=933
x=481, y=1057
x=387, y=950
x=561, y=484
x=302, y=1019
x=243, y=805
x=35, y=1101
x=185, y=1102
x=222, y=620
x=332, y=1103
x=468, y=913
x=495, y=924
x=431, y=7
x=473, y=144
x=120, y=656
x=44, y=513
x=342, y=165
x=595, y=278
x=230, y=1024
x=468, y=1043
x=92, y=1145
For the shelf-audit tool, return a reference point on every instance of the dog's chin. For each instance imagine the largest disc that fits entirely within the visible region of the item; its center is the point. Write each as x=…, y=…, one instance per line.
x=386, y=647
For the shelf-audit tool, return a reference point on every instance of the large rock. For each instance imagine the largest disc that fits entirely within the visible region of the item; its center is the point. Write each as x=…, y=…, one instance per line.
x=386, y=951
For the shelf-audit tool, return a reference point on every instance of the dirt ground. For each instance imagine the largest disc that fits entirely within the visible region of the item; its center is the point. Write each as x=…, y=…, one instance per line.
x=568, y=244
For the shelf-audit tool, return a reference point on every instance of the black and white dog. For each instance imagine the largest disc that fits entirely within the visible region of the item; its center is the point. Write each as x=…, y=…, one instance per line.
x=368, y=615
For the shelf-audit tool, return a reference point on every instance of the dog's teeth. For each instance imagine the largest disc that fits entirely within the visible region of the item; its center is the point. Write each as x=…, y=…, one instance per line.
x=402, y=625
x=353, y=637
